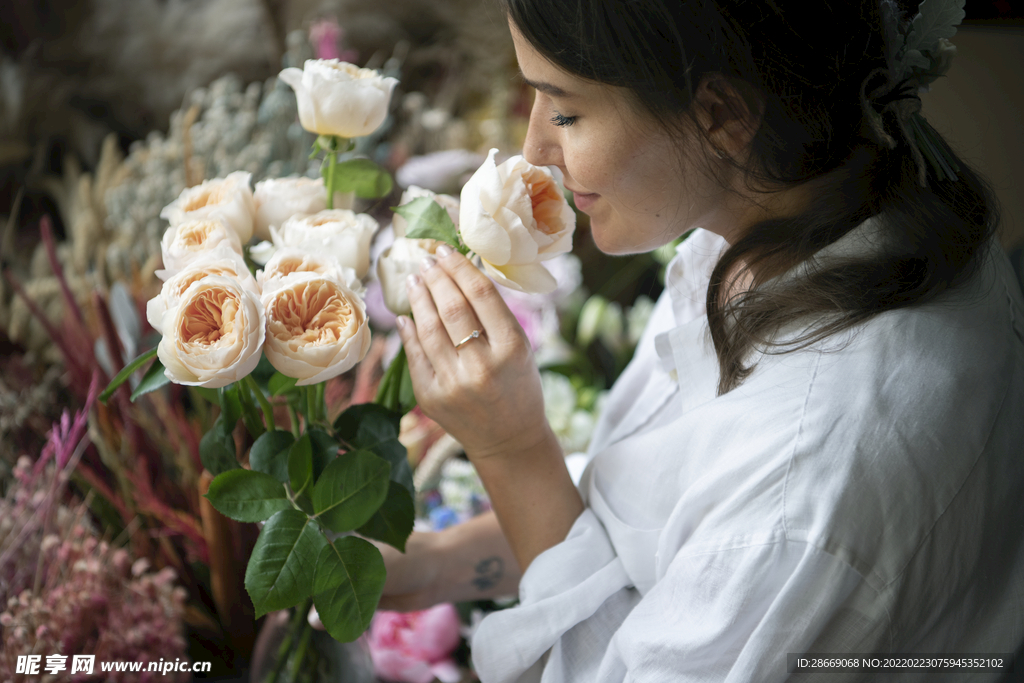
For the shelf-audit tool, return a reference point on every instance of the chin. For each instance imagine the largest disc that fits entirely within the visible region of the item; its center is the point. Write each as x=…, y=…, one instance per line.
x=616, y=242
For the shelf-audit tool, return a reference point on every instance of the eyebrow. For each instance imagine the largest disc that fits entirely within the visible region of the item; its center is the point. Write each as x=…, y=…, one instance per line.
x=547, y=88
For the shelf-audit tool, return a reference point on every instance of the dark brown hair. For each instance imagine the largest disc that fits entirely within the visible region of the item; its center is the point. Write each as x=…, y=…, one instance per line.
x=806, y=62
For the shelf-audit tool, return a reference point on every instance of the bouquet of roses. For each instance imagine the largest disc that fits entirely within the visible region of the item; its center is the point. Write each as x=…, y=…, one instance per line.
x=322, y=486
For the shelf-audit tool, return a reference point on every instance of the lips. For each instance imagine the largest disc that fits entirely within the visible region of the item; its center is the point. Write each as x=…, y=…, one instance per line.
x=584, y=201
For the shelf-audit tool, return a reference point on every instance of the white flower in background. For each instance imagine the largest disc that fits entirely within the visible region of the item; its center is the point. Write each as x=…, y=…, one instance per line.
x=459, y=486
x=514, y=216
x=278, y=199
x=572, y=425
x=337, y=98
x=186, y=242
x=316, y=328
x=227, y=199
x=398, y=262
x=338, y=232
x=636, y=318
x=450, y=204
x=287, y=261
x=438, y=171
x=214, y=335
x=220, y=262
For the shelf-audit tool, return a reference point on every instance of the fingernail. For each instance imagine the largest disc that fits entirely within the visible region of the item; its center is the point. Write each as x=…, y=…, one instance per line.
x=413, y=281
x=401, y=321
x=443, y=250
x=427, y=263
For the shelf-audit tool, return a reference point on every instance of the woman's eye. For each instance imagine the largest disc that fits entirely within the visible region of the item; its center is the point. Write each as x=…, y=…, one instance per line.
x=560, y=120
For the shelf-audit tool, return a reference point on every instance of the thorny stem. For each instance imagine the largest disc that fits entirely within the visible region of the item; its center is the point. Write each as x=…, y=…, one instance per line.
x=298, y=619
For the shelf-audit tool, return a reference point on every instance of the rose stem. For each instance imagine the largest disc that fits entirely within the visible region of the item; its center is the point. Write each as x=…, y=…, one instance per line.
x=300, y=649
x=296, y=428
x=332, y=160
x=312, y=411
x=298, y=619
x=321, y=405
x=268, y=410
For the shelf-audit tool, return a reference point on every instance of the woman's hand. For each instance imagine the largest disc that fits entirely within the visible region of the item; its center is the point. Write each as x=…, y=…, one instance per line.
x=486, y=393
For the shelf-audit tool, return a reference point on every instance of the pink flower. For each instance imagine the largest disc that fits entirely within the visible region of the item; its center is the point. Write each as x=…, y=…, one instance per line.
x=414, y=647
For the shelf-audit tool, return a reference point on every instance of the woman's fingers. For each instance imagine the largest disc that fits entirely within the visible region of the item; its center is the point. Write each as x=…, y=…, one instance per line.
x=455, y=313
x=480, y=293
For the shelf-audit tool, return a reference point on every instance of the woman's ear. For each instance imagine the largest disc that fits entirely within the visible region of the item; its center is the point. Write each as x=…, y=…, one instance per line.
x=728, y=113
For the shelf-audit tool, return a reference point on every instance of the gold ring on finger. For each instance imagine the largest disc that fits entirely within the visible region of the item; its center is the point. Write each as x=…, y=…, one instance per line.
x=473, y=335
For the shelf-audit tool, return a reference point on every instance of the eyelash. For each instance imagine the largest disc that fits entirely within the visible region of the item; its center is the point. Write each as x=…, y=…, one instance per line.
x=560, y=120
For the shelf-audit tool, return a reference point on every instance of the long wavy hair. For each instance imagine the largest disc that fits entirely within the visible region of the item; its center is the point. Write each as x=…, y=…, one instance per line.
x=807, y=63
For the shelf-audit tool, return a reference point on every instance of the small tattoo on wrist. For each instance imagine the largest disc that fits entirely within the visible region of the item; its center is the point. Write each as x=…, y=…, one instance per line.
x=489, y=573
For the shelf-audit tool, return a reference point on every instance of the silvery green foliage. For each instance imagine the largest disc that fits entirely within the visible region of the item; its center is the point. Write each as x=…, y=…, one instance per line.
x=921, y=50
x=252, y=129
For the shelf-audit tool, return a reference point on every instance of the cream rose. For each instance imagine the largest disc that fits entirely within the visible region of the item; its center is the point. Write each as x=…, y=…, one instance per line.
x=398, y=262
x=278, y=199
x=337, y=98
x=214, y=335
x=227, y=199
x=223, y=263
x=338, y=232
x=288, y=261
x=186, y=242
x=514, y=216
x=450, y=204
x=316, y=328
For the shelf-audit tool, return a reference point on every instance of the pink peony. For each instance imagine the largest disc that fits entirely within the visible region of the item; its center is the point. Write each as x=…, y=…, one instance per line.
x=414, y=647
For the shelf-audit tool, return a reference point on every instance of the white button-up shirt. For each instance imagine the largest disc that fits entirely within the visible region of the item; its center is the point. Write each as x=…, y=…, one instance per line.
x=864, y=495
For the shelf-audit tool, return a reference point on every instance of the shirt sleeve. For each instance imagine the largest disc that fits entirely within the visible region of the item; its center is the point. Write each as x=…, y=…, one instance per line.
x=723, y=616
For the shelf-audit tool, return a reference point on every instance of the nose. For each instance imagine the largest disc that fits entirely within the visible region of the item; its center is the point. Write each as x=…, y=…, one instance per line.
x=541, y=146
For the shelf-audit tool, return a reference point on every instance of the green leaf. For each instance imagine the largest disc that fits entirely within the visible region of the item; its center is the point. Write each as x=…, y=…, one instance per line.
x=279, y=384
x=269, y=454
x=123, y=376
x=392, y=523
x=347, y=586
x=283, y=562
x=935, y=19
x=217, y=449
x=375, y=428
x=247, y=496
x=300, y=465
x=152, y=380
x=428, y=220
x=362, y=176
x=350, y=490
x=325, y=450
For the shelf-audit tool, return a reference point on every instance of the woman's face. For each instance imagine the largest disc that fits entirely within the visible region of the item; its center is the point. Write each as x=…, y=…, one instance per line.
x=625, y=171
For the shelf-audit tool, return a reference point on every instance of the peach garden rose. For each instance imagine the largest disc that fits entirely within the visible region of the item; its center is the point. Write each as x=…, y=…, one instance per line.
x=227, y=199
x=340, y=233
x=317, y=328
x=214, y=335
x=223, y=262
x=513, y=216
x=193, y=239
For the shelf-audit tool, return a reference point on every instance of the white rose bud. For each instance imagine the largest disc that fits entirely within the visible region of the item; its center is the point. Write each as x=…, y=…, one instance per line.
x=215, y=334
x=338, y=232
x=337, y=98
x=223, y=263
x=288, y=261
x=186, y=242
x=398, y=262
x=227, y=199
x=514, y=216
x=447, y=202
x=316, y=328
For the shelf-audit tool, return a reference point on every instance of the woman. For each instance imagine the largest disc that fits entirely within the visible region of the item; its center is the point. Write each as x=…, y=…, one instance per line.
x=817, y=447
